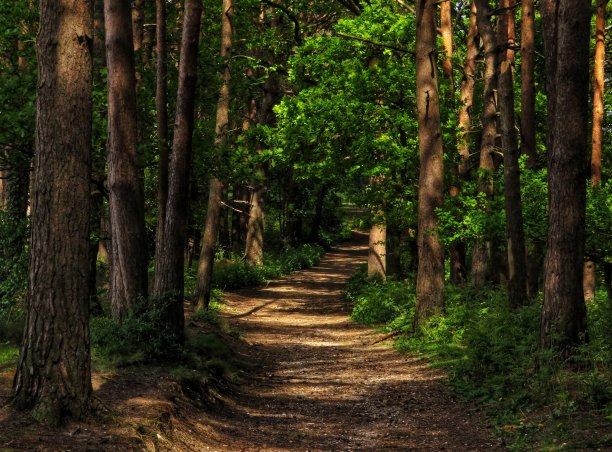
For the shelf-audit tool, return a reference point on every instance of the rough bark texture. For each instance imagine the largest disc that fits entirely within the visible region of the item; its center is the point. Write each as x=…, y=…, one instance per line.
x=161, y=107
x=254, y=249
x=216, y=187
x=170, y=264
x=598, y=92
x=125, y=181
x=528, y=111
x=517, y=277
x=481, y=258
x=53, y=374
x=563, y=321
x=377, y=262
x=430, y=275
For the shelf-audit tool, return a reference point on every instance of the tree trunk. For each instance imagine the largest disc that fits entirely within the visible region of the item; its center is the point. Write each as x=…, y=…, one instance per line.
x=598, y=93
x=430, y=275
x=589, y=280
x=125, y=181
x=517, y=277
x=161, y=107
x=446, y=31
x=170, y=264
x=563, y=321
x=377, y=264
x=53, y=374
x=215, y=197
x=224, y=228
x=138, y=18
x=607, y=271
x=528, y=111
x=254, y=248
x=240, y=215
x=481, y=258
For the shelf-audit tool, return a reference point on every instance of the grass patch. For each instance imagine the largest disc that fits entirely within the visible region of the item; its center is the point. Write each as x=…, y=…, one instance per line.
x=9, y=353
x=492, y=357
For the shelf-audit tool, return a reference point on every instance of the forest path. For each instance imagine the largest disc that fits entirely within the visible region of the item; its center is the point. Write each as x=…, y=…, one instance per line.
x=318, y=385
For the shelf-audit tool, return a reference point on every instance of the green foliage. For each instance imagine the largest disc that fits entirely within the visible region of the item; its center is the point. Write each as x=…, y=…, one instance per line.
x=14, y=260
x=144, y=336
x=376, y=302
x=599, y=222
x=8, y=355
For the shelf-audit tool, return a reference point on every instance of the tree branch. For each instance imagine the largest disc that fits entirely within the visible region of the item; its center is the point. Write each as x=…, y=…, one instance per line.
x=374, y=43
x=296, y=24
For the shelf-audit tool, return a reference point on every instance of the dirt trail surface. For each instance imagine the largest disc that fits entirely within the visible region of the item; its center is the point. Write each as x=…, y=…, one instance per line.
x=314, y=384
x=321, y=386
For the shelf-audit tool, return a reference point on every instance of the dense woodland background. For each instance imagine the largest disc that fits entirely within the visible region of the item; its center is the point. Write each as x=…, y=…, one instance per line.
x=154, y=152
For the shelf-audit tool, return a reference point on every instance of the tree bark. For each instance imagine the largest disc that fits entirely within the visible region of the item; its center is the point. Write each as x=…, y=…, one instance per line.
x=528, y=111
x=430, y=275
x=125, y=181
x=170, y=264
x=377, y=263
x=598, y=92
x=446, y=31
x=240, y=215
x=138, y=18
x=563, y=321
x=517, y=277
x=481, y=258
x=254, y=248
x=53, y=374
x=216, y=187
x=161, y=107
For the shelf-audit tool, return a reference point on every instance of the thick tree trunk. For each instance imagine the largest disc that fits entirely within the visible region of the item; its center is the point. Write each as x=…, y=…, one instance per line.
x=125, y=181
x=377, y=262
x=563, y=321
x=446, y=31
x=430, y=276
x=170, y=264
x=161, y=107
x=528, y=112
x=517, y=277
x=481, y=258
x=216, y=187
x=53, y=375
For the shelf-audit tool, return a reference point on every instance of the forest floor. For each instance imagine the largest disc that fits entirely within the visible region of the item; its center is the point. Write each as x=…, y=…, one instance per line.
x=314, y=382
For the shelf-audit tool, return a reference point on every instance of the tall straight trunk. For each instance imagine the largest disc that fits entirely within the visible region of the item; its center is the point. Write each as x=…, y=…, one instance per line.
x=430, y=275
x=563, y=321
x=125, y=181
x=161, y=107
x=216, y=187
x=517, y=277
x=377, y=265
x=3, y=177
x=170, y=264
x=598, y=92
x=481, y=259
x=53, y=374
x=597, y=131
x=254, y=248
x=446, y=31
x=138, y=19
x=528, y=111
x=457, y=252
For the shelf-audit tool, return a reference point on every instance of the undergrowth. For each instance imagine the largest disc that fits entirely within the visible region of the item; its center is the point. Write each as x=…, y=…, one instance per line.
x=492, y=357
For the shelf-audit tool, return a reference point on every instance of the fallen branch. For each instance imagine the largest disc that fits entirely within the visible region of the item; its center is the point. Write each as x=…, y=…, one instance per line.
x=385, y=337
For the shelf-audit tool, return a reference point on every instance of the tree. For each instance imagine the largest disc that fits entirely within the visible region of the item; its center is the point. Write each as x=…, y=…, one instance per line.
x=517, y=277
x=563, y=321
x=125, y=181
x=481, y=259
x=216, y=187
x=53, y=374
x=170, y=264
x=528, y=107
x=430, y=276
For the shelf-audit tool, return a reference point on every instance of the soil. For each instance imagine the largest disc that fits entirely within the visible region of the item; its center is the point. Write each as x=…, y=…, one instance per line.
x=315, y=383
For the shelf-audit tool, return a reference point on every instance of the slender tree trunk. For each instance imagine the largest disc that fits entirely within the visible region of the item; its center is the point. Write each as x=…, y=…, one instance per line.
x=53, y=374
x=563, y=321
x=125, y=180
x=161, y=107
x=216, y=187
x=481, y=258
x=517, y=277
x=240, y=216
x=254, y=248
x=138, y=18
x=446, y=31
x=3, y=202
x=224, y=228
x=430, y=276
x=377, y=263
x=528, y=112
x=170, y=264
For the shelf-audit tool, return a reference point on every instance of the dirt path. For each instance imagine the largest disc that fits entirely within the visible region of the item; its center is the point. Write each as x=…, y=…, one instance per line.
x=319, y=386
